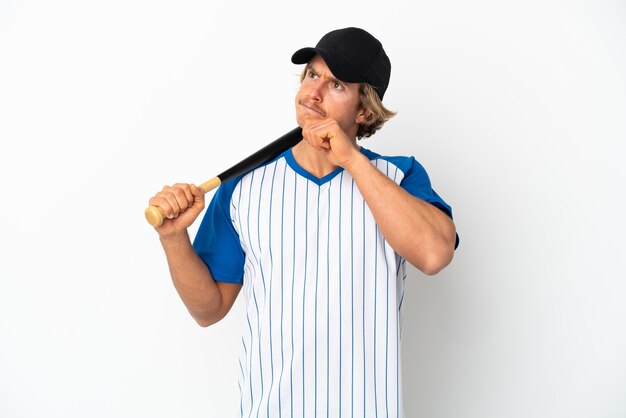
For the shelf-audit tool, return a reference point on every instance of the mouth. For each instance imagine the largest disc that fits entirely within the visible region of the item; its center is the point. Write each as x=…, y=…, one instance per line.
x=312, y=107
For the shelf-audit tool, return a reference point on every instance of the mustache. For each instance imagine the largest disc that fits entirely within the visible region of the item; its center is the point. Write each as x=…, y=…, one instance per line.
x=312, y=105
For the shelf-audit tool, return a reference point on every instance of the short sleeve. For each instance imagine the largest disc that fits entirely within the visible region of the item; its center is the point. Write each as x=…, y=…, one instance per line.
x=217, y=243
x=417, y=183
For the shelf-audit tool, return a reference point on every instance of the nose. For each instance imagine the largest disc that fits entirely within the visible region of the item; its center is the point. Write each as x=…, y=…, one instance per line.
x=315, y=92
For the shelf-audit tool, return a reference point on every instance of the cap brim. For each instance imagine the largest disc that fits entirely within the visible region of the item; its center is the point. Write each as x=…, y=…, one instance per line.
x=303, y=56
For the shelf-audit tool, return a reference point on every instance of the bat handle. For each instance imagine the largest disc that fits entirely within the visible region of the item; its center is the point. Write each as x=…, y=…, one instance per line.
x=154, y=214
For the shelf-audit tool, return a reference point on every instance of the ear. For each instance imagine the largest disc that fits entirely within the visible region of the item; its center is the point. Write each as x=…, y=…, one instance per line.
x=362, y=116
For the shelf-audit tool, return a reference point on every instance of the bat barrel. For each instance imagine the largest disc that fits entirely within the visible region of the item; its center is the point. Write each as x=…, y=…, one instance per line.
x=265, y=154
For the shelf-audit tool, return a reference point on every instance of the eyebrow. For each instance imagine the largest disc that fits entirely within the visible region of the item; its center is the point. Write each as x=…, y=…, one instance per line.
x=309, y=67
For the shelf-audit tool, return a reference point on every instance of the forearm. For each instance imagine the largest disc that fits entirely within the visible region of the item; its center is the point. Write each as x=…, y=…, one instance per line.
x=193, y=282
x=415, y=229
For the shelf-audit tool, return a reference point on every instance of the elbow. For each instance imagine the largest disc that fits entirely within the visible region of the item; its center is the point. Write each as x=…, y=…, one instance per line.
x=207, y=313
x=206, y=321
x=440, y=254
x=433, y=268
x=436, y=261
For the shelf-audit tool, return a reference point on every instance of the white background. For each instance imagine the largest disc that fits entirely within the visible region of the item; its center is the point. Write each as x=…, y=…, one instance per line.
x=516, y=109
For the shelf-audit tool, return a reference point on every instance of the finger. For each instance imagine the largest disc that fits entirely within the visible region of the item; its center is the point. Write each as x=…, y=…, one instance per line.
x=182, y=196
x=196, y=191
x=169, y=196
x=327, y=135
x=162, y=203
x=188, y=196
x=319, y=137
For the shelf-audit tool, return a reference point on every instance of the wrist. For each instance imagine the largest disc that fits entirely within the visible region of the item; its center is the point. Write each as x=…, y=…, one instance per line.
x=175, y=239
x=357, y=164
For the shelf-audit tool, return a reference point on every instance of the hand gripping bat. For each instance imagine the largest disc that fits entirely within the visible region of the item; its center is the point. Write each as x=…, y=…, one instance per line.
x=154, y=215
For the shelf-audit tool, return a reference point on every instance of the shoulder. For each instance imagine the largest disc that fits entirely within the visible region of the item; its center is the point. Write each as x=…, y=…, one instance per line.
x=408, y=165
x=230, y=187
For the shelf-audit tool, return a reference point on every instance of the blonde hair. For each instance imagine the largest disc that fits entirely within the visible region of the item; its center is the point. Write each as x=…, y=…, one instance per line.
x=369, y=100
x=379, y=114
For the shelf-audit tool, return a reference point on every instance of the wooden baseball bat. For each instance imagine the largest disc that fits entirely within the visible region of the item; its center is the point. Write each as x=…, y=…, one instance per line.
x=155, y=216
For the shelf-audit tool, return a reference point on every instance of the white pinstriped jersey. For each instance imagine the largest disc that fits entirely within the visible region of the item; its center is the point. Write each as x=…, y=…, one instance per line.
x=323, y=289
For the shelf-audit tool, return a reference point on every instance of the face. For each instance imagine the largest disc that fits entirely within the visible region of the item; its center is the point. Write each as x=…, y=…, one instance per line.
x=322, y=95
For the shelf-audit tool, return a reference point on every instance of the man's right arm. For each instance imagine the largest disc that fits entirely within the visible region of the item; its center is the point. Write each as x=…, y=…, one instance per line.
x=207, y=300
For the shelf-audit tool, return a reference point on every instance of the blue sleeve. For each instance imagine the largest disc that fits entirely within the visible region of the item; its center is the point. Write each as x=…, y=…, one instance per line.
x=217, y=242
x=417, y=183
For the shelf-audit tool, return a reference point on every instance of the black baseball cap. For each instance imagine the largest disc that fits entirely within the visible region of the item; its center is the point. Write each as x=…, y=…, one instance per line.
x=353, y=55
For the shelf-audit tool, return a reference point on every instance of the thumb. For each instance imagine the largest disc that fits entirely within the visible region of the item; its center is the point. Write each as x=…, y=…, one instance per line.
x=196, y=191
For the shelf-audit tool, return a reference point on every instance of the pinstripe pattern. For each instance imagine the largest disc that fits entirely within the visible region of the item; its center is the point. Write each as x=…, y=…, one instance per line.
x=323, y=294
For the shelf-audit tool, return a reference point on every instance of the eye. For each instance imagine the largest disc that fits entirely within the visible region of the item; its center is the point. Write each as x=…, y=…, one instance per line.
x=336, y=86
x=311, y=74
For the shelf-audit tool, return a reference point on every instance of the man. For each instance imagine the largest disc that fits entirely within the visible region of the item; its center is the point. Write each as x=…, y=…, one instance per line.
x=317, y=239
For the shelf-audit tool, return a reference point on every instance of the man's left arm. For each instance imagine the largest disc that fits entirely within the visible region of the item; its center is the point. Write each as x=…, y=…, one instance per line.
x=417, y=230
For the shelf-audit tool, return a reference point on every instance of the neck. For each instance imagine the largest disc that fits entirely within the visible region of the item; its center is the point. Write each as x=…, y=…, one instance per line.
x=312, y=160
